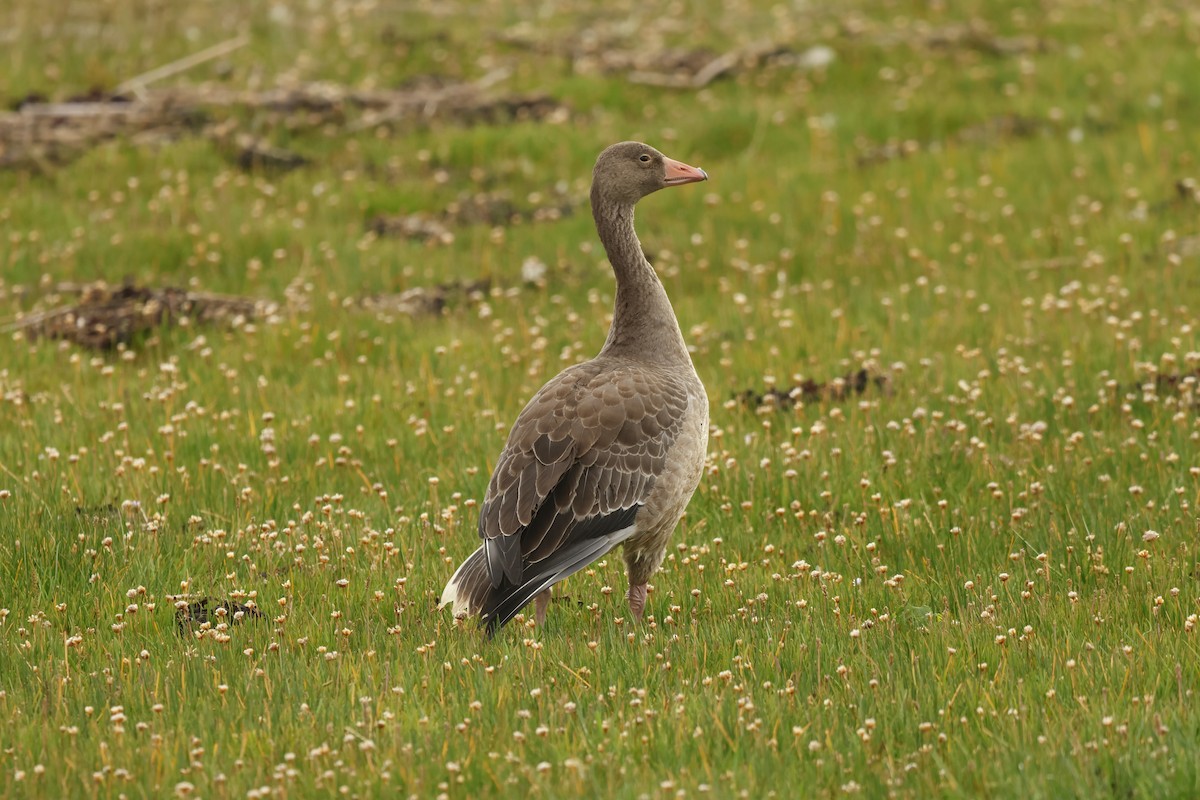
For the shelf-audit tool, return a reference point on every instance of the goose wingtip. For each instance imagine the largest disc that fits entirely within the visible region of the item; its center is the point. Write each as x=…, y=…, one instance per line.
x=450, y=597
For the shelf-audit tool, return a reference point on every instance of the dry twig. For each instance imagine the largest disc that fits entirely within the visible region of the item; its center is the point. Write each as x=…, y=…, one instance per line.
x=137, y=85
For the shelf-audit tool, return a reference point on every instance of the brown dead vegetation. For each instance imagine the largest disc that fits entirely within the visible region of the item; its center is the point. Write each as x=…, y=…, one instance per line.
x=1005, y=127
x=484, y=208
x=614, y=48
x=973, y=36
x=810, y=391
x=106, y=316
x=39, y=134
x=601, y=50
x=426, y=301
x=208, y=612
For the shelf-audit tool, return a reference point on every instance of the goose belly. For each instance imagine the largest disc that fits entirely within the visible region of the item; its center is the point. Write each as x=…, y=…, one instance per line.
x=672, y=491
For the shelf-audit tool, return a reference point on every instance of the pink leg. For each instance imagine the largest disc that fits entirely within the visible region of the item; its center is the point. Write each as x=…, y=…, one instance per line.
x=540, y=604
x=637, y=600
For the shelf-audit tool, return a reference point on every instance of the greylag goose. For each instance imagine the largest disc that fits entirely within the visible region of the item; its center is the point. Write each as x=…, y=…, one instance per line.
x=609, y=451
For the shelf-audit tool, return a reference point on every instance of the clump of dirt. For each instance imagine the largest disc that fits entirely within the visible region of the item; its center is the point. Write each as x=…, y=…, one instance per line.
x=810, y=391
x=1185, y=386
x=485, y=208
x=607, y=50
x=426, y=301
x=1176, y=382
x=1001, y=128
x=191, y=618
x=1188, y=190
x=107, y=315
x=975, y=35
x=643, y=53
x=256, y=155
x=423, y=226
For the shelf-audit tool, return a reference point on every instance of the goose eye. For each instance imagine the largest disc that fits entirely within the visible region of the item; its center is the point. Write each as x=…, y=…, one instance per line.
x=644, y=158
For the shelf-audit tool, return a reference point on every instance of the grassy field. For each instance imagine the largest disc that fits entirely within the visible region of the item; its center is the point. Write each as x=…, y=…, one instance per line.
x=975, y=578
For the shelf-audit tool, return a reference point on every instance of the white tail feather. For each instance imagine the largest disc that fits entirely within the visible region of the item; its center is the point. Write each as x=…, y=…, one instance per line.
x=451, y=596
x=460, y=602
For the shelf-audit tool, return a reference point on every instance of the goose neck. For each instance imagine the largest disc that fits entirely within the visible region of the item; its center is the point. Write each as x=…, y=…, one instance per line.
x=644, y=326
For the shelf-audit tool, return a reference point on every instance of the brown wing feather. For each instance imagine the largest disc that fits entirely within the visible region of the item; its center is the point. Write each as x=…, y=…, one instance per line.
x=591, y=442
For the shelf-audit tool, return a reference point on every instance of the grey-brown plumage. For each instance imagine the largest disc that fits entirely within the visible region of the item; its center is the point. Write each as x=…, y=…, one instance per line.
x=608, y=452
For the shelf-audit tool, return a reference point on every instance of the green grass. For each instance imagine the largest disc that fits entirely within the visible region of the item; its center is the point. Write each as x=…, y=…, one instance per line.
x=938, y=590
